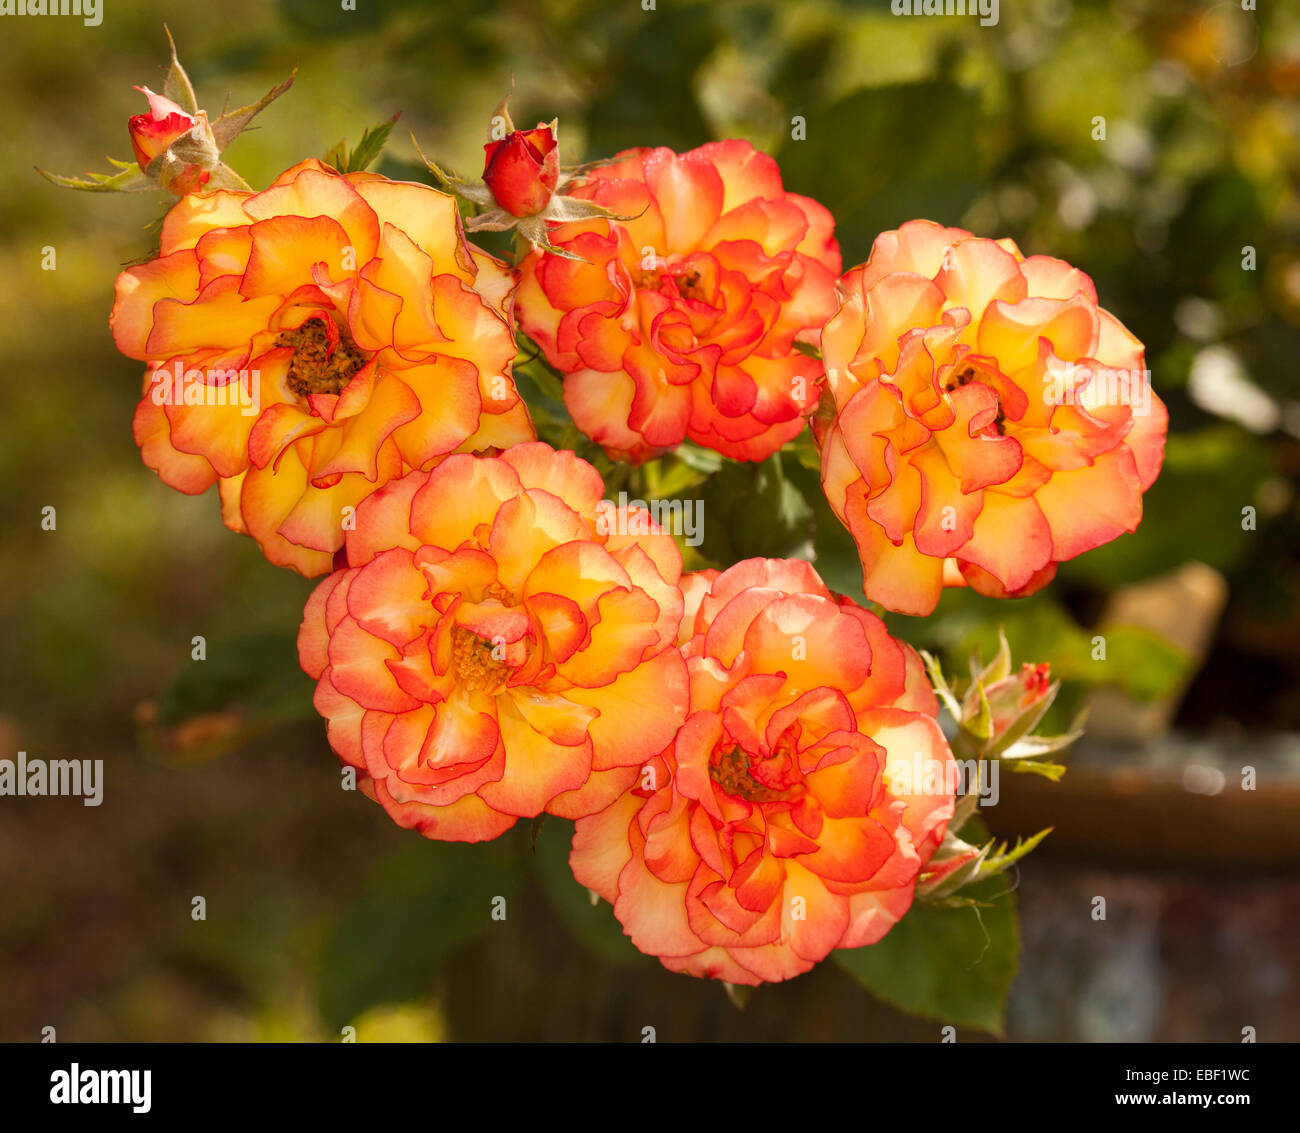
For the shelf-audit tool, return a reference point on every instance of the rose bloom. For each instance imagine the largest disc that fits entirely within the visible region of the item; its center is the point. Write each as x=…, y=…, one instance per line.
x=790, y=815
x=990, y=419
x=682, y=320
x=500, y=644
x=308, y=343
x=153, y=133
x=522, y=170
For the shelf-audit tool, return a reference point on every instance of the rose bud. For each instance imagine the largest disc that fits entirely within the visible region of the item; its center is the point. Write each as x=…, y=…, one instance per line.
x=152, y=136
x=1015, y=696
x=522, y=170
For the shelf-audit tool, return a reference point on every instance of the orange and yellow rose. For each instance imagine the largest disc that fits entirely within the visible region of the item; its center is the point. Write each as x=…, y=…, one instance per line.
x=681, y=321
x=788, y=817
x=308, y=343
x=501, y=644
x=991, y=420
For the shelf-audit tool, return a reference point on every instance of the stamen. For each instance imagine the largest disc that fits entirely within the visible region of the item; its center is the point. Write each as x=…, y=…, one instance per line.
x=316, y=367
x=730, y=770
x=474, y=661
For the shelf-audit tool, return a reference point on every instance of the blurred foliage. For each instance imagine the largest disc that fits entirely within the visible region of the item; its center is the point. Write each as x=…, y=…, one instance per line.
x=591, y=921
x=258, y=673
x=421, y=904
x=941, y=176
x=990, y=128
x=430, y=900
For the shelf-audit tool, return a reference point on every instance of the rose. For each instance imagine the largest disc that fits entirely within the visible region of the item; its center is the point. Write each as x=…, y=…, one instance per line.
x=308, y=343
x=790, y=815
x=681, y=320
x=493, y=650
x=522, y=170
x=990, y=419
x=153, y=134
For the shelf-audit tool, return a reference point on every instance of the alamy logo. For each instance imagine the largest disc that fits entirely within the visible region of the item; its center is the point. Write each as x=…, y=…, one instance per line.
x=39, y=777
x=90, y=11
x=101, y=1087
x=633, y=517
x=987, y=10
x=922, y=776
x=1098, y=386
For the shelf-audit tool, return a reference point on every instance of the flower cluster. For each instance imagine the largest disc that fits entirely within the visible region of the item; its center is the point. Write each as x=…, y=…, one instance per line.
x=753, y=763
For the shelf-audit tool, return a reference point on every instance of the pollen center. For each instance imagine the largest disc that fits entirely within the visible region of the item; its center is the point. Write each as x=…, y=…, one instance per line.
x=730, y=770
x=319, y=365
x=478, y=662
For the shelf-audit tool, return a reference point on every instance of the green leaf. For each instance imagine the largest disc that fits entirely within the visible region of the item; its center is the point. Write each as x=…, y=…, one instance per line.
x=950, y=964
x=835, y=555
x=420, y=905
x=593, y=926
x=366, y=151
x=668, y=477
x=997, y=669
x=700, y=458
x=980, y=725
x=804, y=448
x=755, y=510
x=177, y=85
x=1003, y=858
x=532, y=363
x=127, y=178
x=232, y=123
x=371, y=145
x=337, y=154
x=940, y=684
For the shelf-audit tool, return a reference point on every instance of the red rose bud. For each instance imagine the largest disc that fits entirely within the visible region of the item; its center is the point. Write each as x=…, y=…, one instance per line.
x=1012, y=697
x=522, y=170
x=153, y=133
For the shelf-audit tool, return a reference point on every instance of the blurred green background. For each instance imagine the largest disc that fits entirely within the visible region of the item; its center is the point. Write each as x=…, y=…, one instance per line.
x=219, y=780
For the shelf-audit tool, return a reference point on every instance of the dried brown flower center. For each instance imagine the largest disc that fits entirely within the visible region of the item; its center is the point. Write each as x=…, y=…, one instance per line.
x=961, y=376
x=730, y=770
x=687, y=280
x=478, y=662
x=317, y=365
